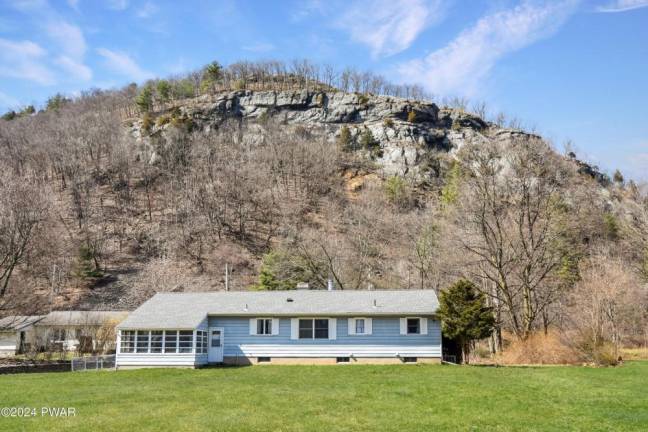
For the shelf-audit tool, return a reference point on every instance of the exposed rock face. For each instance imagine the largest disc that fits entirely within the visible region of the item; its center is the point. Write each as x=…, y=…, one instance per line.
x=404, y=143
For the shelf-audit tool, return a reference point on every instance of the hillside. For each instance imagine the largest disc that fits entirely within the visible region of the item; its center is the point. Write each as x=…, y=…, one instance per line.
x=282, y=186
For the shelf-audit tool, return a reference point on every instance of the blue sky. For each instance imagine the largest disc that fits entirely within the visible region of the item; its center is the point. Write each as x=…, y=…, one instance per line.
x=574, y=70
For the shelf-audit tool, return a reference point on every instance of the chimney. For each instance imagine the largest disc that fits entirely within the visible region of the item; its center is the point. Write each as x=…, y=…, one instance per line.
x=329, y=285
x=303, y=286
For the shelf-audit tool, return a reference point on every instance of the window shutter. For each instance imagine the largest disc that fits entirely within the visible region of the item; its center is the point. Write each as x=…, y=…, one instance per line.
x=275, y=326
x=424, y=326
x=294, y=328
x=332, y=328
x=368, y=326
x=253, y=324
x=403, y=326
x=351, y=325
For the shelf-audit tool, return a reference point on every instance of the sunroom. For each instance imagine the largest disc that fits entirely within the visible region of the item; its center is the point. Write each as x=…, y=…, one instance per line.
x=162, y=347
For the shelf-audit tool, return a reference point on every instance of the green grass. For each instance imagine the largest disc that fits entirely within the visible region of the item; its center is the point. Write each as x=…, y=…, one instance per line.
x=337, y=398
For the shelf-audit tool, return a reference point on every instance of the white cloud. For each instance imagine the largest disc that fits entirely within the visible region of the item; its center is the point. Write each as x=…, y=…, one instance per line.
x=74, y=68
x=24, y=60
x=622, y=5
x=388, y=27
x=74, y=4
x=461, y=67
x=259, y=47
x=118, y=5
x=69, y=37
x=123, y=64
x=147, y=10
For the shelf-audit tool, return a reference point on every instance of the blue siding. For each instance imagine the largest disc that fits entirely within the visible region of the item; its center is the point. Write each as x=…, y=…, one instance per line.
x=386, y=331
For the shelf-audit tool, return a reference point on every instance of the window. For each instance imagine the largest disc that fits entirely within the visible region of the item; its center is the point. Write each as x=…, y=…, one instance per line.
x=413, y=326
x=156, y=341
x=216, y=339
x=305, y=329
x=313, y=329
x=57, y=335
x=342, y=360
x=409, y=359
x=127, y=341
x=185, y=341
x=360, y=326
x=201, y=342
x=142, y=345
x=170, y=341
x=263, y=359
x=264, y=326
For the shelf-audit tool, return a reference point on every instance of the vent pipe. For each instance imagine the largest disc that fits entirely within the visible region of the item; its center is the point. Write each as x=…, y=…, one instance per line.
x=329, y=285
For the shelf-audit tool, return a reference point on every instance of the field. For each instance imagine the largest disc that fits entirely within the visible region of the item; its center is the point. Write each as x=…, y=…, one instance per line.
x=336, y=398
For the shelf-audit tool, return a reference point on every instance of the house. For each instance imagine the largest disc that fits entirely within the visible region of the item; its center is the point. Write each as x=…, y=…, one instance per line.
x=301, y=326
x=59, y=331
x=13, y=333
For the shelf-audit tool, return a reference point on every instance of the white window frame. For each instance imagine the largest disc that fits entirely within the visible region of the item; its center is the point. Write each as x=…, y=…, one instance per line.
x=423, y=326
x=352, y=323
x=254, y=326
x=332, y=328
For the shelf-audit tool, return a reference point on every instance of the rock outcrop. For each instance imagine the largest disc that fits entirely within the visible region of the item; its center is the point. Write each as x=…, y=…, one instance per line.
x=407, y=131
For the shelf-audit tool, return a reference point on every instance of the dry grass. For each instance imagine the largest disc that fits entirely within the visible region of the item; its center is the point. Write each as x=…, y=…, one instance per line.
x=635, y=353
x=539, y=349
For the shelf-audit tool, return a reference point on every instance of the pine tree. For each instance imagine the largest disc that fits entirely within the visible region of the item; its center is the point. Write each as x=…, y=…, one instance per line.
x=464, y=315
x=344, y=140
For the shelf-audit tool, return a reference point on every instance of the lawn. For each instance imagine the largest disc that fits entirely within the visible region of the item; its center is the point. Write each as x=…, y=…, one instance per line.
x=337, y=398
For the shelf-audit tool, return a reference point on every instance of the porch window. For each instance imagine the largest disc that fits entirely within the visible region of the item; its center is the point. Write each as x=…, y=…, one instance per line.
x=142, y=345
x=156, y=341
x=313, y=329
x=170, y=341
x=201, y=342
x=185, y=341
x=127, y=341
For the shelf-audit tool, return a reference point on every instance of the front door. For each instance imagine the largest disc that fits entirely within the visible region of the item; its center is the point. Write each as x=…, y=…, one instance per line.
x=216, y=345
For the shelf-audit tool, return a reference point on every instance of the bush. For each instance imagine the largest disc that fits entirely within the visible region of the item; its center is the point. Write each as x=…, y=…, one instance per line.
x=367, y=140
x=344, y=141
x=397, y=191
x=411, y=116
x=611, y=226
x=239, y=84
x=147, y=122
x=162, y=120
x=164, y=90
x=363, y=99
x=539, y=348
x=388, y=123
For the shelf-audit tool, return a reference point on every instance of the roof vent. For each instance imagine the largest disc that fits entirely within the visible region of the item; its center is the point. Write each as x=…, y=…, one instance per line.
x=289, y=300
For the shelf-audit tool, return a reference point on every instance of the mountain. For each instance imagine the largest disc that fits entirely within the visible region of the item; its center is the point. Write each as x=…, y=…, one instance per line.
x=276, y=186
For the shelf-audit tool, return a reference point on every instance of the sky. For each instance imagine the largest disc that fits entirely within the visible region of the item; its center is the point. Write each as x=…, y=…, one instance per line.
x=574, y=70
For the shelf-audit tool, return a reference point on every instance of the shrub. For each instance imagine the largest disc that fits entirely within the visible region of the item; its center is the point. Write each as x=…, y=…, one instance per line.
x=367, y=140
x=239, y=84
x=456, y=125
x=540, y=348
x=411, y=116
x=162, y=120
x=344, y=140
x=611, y=226
x=363, y=99
x=9, y=115
x=450, y=191
x=147, y=122
x=88, y=263
x=388, y=123
x=397, y=191
x=56, y=102
x=618, y=177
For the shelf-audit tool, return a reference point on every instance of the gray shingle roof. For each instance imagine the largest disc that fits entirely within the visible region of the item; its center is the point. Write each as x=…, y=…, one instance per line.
x=188, y=310
x=81, y=318
x=18, y=322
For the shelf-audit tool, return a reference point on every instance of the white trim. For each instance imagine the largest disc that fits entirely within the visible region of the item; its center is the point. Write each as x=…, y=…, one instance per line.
x=332, y=329
x=403, y=326
x=294, y=328
x=351, y=324
x=423, y=327
x=254, y=326
x=337, y=350
x=275, y=326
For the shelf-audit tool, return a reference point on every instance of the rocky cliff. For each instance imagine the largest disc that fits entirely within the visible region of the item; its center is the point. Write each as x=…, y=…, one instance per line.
x=406, y=131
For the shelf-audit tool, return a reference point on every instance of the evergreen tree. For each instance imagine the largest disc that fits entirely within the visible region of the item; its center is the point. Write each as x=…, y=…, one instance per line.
x=164, y=90
x=368, y=141
x=464, y=315
x=345, y=142
x=144, y=99
x=618, y=177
